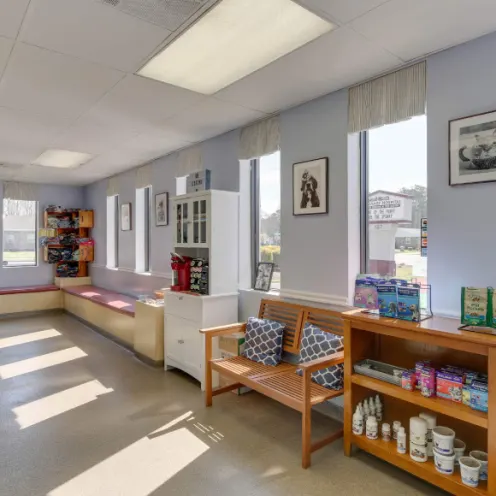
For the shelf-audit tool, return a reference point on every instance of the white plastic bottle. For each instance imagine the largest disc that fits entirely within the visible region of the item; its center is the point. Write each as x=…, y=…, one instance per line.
x=401, y=441
x=372, y=428
x=366, y=411
x=358, y=421
x=396, y=426
x=378, y=413
x=378, y=403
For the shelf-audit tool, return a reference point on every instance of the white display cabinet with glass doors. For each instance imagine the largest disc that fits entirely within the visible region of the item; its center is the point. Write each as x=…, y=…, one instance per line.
x=205, y=226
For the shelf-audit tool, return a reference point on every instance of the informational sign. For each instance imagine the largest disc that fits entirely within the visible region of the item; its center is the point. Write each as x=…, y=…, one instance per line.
x=387, y=207
x=423, y=237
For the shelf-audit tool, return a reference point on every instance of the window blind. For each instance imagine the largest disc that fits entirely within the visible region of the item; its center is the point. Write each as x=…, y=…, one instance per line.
x=261, y=138
x=388, y=99
x=189, y=160
x=20, y=191
x=113, y=186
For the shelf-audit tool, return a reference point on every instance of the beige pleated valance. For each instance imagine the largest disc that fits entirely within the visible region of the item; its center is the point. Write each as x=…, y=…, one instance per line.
x=189, y=160
x=259, y=139
x=392, y=98
x=113, y=186
x=20, y=191
x=144, y=176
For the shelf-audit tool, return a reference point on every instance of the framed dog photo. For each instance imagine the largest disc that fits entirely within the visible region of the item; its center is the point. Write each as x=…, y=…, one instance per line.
x=264, y=276
x=162, y=209
x=472, y=142
x=310, y=187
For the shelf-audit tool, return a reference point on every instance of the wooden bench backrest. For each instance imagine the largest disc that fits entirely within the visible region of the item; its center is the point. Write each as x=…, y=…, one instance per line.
x=295, y=317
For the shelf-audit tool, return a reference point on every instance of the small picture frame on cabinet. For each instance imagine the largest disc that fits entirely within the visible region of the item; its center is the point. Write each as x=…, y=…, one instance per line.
x=264, y=276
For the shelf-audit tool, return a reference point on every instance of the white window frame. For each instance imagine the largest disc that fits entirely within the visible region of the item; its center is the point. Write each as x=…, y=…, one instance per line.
x=143, y=229
x=113, y=232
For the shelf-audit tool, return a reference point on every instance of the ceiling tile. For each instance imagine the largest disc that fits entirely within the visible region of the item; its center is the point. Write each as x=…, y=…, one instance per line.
x=211, y=118
x=413, y=29
x=332, y=62
x=92, y=31
x=5, y=48
x=138, y=103
x=342, y=11
x=46, y=82
x=157, y=143
x=11, y=14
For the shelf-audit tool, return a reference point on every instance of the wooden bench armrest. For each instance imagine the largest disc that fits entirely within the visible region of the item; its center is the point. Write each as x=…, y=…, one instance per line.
x=224, y=330
x=322, y=363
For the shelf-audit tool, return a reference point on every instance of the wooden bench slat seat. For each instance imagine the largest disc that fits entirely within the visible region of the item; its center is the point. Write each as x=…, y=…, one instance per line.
x=29, y=289
x=281, y=383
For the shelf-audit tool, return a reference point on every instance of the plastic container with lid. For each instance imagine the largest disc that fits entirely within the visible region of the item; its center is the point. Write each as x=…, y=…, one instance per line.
x=418, y=431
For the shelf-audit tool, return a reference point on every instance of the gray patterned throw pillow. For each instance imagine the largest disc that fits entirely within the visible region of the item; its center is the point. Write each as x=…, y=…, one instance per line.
x=316, y=343
x=263, y=341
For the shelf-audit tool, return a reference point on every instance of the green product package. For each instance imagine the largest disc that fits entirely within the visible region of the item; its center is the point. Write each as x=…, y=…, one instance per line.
x=491, y=319
x=475, y=306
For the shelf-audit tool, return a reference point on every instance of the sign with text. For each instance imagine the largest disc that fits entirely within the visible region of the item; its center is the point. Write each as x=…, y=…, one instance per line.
x=386, y=207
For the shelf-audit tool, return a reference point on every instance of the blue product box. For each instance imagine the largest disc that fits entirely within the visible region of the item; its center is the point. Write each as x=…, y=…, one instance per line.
x=479, y=396
x=409, y=302
x=388, y=300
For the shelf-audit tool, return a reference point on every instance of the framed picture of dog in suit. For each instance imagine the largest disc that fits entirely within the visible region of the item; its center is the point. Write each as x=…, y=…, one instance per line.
x=311, y=187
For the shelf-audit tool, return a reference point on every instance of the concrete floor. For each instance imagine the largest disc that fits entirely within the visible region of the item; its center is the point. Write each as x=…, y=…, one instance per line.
x=129, y=430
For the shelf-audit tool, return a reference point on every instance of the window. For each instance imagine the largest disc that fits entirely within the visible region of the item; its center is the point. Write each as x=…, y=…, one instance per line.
x=266, y=193
x=143, y=228
x=394, y=170
x=112, y=231
x=19, y=233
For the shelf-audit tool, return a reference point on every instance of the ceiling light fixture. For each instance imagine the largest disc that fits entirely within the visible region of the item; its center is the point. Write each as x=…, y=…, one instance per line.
x=62, y=159
x=234, y=39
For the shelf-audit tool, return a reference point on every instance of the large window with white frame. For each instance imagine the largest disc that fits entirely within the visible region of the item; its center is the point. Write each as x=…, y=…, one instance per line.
x=113, y=231
x=143, y=229
x=19, y=233
x=266, y=193
x=394, y=189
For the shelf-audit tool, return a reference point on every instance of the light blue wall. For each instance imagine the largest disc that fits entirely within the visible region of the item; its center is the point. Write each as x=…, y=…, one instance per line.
x=66, y=196
x=462, y=236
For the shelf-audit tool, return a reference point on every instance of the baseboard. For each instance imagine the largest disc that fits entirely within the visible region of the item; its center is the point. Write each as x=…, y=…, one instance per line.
x=315, y=297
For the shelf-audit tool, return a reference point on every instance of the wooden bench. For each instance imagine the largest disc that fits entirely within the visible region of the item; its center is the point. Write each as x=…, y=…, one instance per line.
x=281, y=383
x=29, y=299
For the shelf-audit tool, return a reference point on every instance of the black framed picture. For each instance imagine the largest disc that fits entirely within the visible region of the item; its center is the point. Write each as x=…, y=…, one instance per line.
x=264, y=276
x=162, y=209
x=126, y=217
x=472, y=149
x=311, y=187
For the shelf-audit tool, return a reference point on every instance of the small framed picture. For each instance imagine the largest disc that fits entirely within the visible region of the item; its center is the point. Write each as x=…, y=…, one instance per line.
x=162, y=209
x=472, y=147
x=264, y=276
x=310, y=187
x=126, y=217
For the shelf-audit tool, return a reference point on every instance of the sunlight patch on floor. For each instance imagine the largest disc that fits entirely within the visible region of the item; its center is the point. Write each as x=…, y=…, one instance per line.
x=58, y=403
x=40, y=362
x=28, y=338
x=139, y=469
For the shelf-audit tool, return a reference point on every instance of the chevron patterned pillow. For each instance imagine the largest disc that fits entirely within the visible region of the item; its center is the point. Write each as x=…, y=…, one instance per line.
x=263, y=341
x=316, y=343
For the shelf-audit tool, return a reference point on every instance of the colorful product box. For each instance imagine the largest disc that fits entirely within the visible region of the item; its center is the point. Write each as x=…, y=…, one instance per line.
x=408, y=380
x=449, y=386
x=388, y=300
x=466, y=395
x=428, y=382
x=365, y=294
x=418, y=369
x=479, y=396
x=409, y=302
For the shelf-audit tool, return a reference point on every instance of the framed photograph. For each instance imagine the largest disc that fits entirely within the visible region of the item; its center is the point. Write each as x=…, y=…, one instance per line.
x=472, y=148
x=126, y=217
x=311, y=187
x=264, y=276
x=162, y=209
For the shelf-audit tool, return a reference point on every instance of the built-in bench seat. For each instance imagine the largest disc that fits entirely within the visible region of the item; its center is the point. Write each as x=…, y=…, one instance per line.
x=24, y=299
x=115, y=301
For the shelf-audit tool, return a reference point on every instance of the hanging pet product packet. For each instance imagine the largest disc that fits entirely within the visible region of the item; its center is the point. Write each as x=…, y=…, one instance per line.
x=388, y=300
x=475, y=307
x=491, y=319
x=409, y=302
x=366, y=293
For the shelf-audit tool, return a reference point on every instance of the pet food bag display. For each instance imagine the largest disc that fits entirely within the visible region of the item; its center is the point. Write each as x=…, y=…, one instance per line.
x=475, y=307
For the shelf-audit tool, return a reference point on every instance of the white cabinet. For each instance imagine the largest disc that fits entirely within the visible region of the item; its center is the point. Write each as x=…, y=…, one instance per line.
x=185, y=315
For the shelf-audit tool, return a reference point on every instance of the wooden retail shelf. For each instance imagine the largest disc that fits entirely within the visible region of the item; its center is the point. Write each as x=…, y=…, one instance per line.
x=402, y=344
x=427, y=471
x=439, y=405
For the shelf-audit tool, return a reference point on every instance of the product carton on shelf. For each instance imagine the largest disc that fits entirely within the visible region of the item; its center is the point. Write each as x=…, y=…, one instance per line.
x=230, y=346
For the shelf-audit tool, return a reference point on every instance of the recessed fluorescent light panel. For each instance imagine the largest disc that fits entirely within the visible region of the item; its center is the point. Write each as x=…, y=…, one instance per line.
x=62, y=158
x=234, y=39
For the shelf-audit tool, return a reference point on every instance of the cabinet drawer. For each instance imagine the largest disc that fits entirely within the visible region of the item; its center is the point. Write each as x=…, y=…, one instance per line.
x=185, y=306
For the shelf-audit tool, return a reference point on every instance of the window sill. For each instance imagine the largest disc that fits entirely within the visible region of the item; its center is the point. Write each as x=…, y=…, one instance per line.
x=272, y=292
x=20, y=266
x=147, y=273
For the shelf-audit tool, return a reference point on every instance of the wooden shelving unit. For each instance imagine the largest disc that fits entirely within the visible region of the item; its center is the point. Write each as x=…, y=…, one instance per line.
x=402, y=344
x=85, y=221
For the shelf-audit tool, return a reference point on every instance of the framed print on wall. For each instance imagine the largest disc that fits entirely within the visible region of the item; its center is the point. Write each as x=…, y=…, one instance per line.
x=264, y=276
x=162, y=209
x=310, y=187
x=126, y=217
x=472, y=148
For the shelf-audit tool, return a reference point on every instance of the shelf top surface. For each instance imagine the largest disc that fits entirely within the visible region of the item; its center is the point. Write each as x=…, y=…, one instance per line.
x=434, y=327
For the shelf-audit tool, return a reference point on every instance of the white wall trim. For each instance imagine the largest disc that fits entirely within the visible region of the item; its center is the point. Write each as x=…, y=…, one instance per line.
x=314, y=297
x=165, y=275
